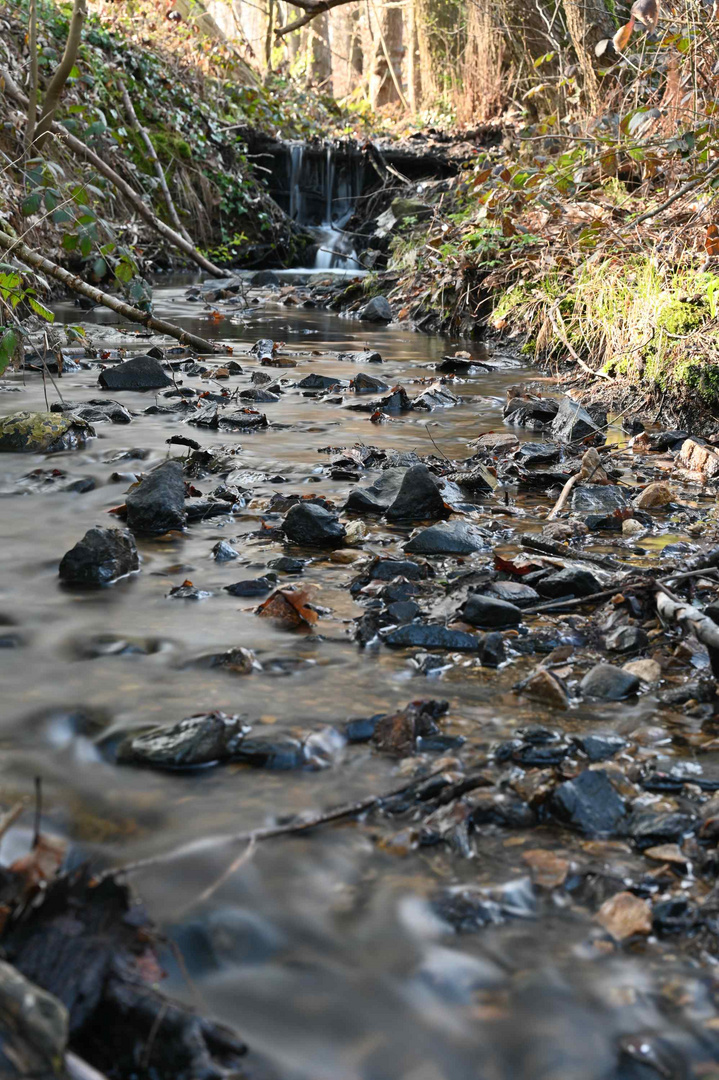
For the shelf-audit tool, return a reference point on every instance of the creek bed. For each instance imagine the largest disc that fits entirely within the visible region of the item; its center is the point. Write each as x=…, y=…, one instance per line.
x=322, y=951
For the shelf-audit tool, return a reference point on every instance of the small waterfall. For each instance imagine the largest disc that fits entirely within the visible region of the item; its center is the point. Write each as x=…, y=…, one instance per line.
x=321, y=197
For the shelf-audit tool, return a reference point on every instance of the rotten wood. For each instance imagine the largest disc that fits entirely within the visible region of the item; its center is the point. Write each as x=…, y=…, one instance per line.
x=674, y=610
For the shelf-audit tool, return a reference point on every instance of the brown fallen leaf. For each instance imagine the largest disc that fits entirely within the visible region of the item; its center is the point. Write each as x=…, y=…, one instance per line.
x=548, y=869
x=288, y=606
x=624, y=915
x=42, y=863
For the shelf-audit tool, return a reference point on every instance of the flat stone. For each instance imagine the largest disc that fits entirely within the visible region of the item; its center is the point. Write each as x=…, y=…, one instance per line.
x=318, y=382
x=436, y=396
x=447, y=538
x=589, y=803
x=488, y=613
x=573, y=423
x=530, y=453
x=533, y=413
x=514, y=592
x=157, y=504
x=627, y=639
x=599, y=498
x=609, y=683
x=599, y=747
x=369, y=356
x=139, y=373
x=365, y=384
x=101, y=557
x=419, y=497
x=197, y=740
x=251, y=587
x=431, y=636
x=388, y=569
x=573, y=581
x=649, y=671
x=310, y=525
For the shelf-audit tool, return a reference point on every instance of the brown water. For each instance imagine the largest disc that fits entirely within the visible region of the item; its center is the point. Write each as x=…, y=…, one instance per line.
x=322, y=951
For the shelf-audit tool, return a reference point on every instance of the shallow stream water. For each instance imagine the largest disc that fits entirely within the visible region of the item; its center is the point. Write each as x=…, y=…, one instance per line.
x=322, y=951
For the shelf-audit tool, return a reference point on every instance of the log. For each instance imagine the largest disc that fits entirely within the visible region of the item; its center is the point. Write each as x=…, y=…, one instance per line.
x=694, y=621
x=127, y=311
x=85, y=153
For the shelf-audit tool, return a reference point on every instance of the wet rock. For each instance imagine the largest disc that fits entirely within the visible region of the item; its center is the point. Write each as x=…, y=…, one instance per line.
x=648, y=828
x=513, y=592
x=468, y=908
x=95, y=411
x=223, y=551
x=260, y=395
x=403, y=611
x=496, y=442
x=42, y=433
x=397, y=733
x=544, y=685
x=599, y=747
x=377, y=310
x=264, y=349
x=34, y=1029
x=627, y=639
x=624, y=915
x=534, y=413
x=244, y=420
x=252, y=586
x=589, y=803
x=379, y=496
x=388, y=569
x=675, y=916
x=699, y=458
x=202, y=509
x=265, y=277
x=654, y=496
x=649, y=671
x=477, y=479
x=239, y=661
x=140, y=373
x=101, y=557
x=311, y=525
x=661, y=441
x=573, y=581
x=419, y=497
x=197, y=740
x=436, y=396
x=574, y=424
x=599, y=498
x=82, y=486
x=448, y=538
x=287, y=565
x=431, y=636
x=187, y=591
x=369, y=356
x=488, y=613
x=537, y=453
x=608, y=683
x=157, y=504
x=365, y=384
x=318, y=382
x=492, y=652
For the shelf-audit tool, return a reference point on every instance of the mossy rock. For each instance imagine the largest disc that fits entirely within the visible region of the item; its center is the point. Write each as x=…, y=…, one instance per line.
x=404, y=208
x=42, y=433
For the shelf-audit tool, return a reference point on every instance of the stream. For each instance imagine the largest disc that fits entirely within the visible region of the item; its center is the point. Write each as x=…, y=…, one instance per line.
x=325, y=952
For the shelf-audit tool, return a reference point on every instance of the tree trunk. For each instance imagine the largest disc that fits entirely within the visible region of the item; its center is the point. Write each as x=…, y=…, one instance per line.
x=412, y=57
x=319, y=56
x=386, y=69
x=61, y=75
x=588, y=23
x=34, y=79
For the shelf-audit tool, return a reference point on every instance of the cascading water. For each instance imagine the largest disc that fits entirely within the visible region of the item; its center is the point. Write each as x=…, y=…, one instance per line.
x=321, y=198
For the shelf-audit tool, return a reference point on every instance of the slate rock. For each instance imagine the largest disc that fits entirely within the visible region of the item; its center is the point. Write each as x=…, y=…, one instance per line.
x=369, y=356
x=157, y=505
x=222, y=551
x=197, y=740
x=492, y=652
x=530, y=453
x=599, y=747
x=589, y=803
x=447, y=538
x=599, y=498
x=627, y=639
x=403, y=611
x=265, y=277
x=419, y=497
x=287, y=565
x=431, y=636
x=534, y=413
x=514, y=592
x=310, y=525
x=102, y=556
x=388, y=569
x=435, y=397
x=488, y=613
x=572, y=581
x=139, y=373
x=675, y=916
x=377, y=310
x=573, y=423
x=252, y=586
x=42, y=433
x=260, y=395
x=365, y=384
x=317, y=382
x=608, y=683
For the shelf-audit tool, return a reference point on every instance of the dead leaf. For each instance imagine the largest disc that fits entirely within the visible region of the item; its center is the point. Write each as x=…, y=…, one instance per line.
x=42, y=863
x=548, y=869
x=711, y=240
x=622, y=36
x=624, y=915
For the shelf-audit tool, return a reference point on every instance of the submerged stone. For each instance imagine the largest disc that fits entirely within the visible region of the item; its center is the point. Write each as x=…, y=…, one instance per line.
x=197, y=740
x=609, y=683
x=101, y=557
x=311, y=525
x=448, y=538
x=589, y=803
x=157, y=504
x=431, y=636
x=139, y=373
x=42, y=433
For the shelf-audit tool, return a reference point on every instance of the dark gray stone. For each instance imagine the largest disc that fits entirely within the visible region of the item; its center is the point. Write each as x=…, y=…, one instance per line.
x=573, y=423
x=102, y=556
x=488, y=613
x=265, y=277
x=388, y=569
x=403, y=611
x=418, y=498
x=431, y=636
x=223, y=551
x=365, y=384
x=491, y=650
x=310, y=525
x=627, y=639
x=599, y=747
x=608, y=683
x=648, y=828
x=197, y=740
x=157, y=505
x=252, y=586
x=514, y=592
x=531, y=453
x=589, y=803
x=447, y=538
x=260, y=395
x=140, y=373
x=377, y=311
x=318, y=382
x=573, y=581
x=379, y=496
x=599, y=498
x=370, y=356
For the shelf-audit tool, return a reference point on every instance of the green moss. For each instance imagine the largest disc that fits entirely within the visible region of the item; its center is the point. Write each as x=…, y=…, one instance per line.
x=681, y=316
x=169, y=145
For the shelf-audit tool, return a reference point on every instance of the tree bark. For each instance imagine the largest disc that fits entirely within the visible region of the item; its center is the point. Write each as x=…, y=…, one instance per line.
x=127, y=311
x=62, y=72
x=588, y=23
x=85, y=153
x=386, y=70
x=34, y=79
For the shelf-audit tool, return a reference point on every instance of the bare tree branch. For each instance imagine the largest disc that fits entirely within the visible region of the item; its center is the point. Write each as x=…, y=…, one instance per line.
x=312, y=9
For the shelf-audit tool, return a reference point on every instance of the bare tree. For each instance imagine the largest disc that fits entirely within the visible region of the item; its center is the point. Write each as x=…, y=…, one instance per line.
x=61, y=74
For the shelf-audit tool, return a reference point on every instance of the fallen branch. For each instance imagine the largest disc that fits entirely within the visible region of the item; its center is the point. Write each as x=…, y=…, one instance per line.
x=563, y=551
x=72, y=281
x=683, y=190
x=564, y=495
x=312, y=9
x=692, y=620
x=294, y=828
x=159, y=171
x=84, y=152
x=555, y=317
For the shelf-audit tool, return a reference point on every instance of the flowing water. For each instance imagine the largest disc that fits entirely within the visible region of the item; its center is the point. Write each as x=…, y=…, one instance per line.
x=322, y=951
x=322, y=198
